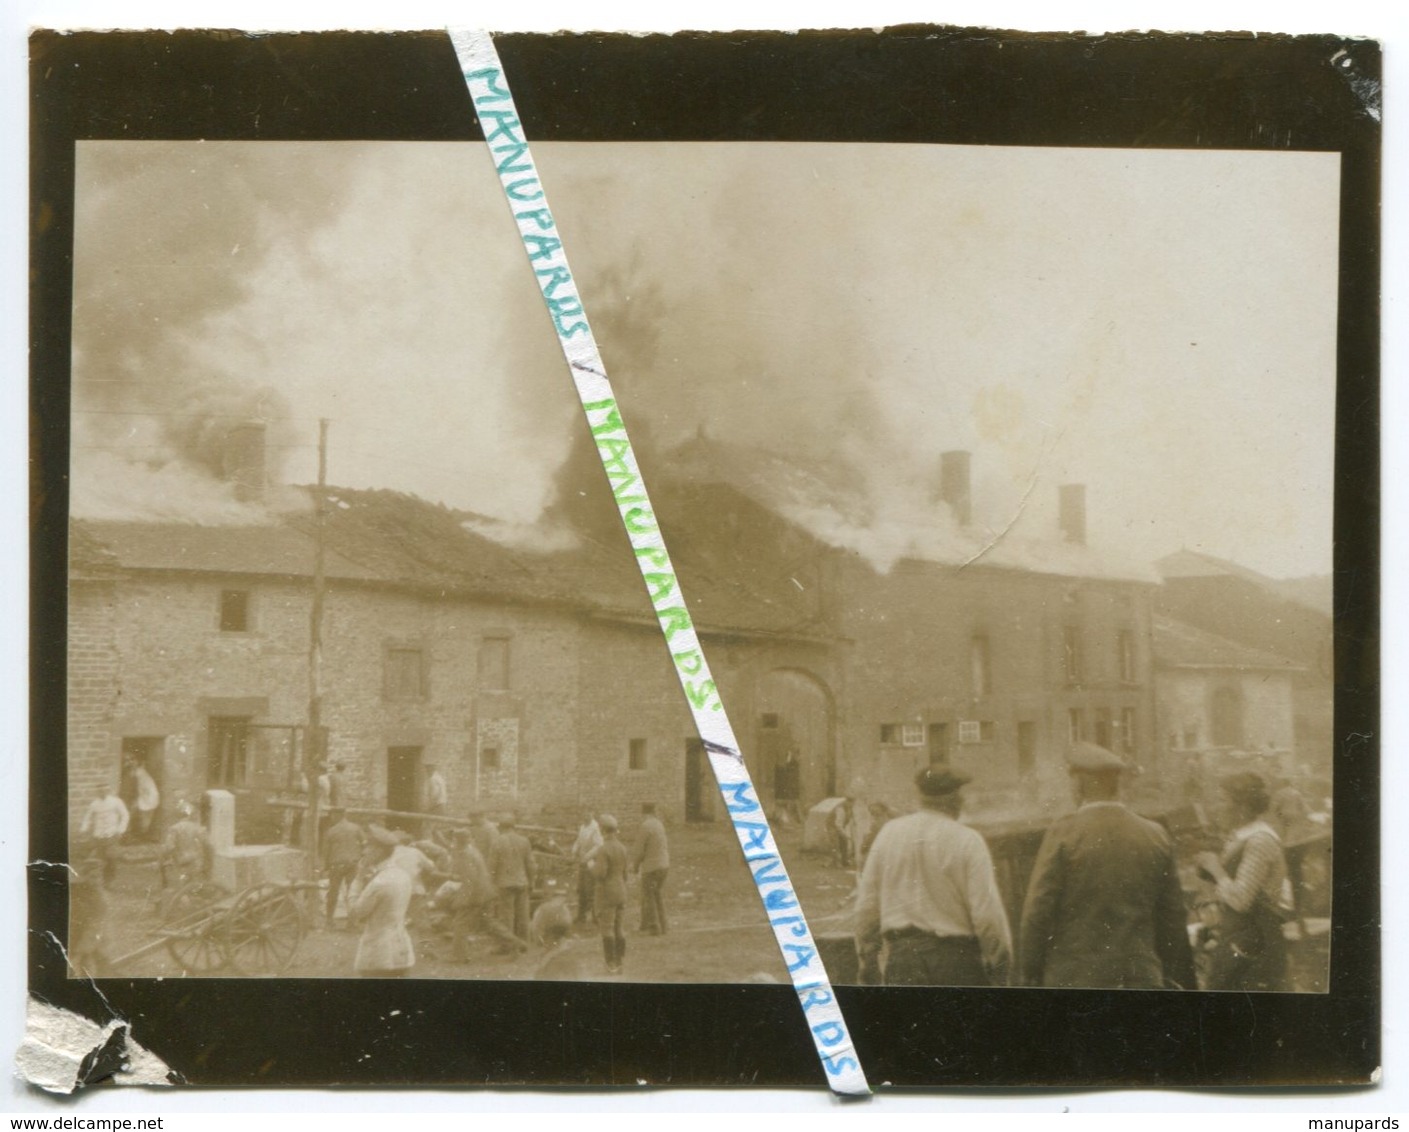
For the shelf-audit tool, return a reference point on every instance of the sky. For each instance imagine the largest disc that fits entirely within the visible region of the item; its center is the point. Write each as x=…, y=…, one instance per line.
x=1159, y=325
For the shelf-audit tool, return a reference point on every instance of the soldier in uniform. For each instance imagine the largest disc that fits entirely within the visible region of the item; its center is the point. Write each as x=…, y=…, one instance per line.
x=608, y=867
x=511, y=865
x=1104, y=907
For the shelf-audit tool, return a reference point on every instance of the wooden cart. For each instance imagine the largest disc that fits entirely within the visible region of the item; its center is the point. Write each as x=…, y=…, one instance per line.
x=257, y=931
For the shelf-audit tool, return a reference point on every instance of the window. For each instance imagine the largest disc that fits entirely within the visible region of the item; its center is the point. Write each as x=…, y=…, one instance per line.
x=489, y=758
x=1127, y=730
x=636, y=754
x=1103, y=728
x=494, y=664
x=1071, y=654
x=405, y=673
x=1125, y=655
x=769, y=721
x=234, y=611
x=1027, y=747
x=977, y=731
x=912, y=735
x=227, y=750
x=980, y=671
x=1076, y=724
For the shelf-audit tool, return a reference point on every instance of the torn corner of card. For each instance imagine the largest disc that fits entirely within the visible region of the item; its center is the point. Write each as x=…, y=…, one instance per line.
x=62, y=1051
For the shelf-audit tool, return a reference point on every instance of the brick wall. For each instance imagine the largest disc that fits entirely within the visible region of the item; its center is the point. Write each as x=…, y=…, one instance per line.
x=148, y=658
x=93, y=757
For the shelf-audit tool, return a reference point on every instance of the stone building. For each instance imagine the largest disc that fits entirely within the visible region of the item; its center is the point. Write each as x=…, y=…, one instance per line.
x=533, y=680
x=529, y=668
x=1216, y=697
x=953, y=648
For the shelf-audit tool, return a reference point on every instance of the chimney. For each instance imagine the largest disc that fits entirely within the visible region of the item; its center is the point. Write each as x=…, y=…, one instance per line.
x=1072, y=512
x=243, y=460
x=954, y=485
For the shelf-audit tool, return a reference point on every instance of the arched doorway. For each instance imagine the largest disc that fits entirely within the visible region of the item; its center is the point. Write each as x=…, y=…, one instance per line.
x=795, y=712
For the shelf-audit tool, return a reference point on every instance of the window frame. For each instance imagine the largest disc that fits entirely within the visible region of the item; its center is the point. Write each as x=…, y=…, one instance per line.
x=247, y=619
x=1076, y=725
x=505, y=684
x=1125, y=655
x=391, y=690
x=1071, y=654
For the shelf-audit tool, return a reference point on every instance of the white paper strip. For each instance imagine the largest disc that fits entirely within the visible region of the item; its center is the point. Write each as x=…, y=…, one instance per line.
x=503, y=133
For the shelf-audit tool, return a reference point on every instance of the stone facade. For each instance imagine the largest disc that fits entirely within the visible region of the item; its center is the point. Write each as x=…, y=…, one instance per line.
x=994, y=672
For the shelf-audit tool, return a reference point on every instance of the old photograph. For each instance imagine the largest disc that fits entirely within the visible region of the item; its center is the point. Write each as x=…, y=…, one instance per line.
x=998, y=480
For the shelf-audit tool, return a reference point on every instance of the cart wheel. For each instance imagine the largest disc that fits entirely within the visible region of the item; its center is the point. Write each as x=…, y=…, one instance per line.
x=198, y=951
x=263, y=930
x=191, y=900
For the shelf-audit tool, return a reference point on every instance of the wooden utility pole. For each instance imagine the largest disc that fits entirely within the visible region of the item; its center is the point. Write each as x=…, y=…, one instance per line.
x=315, y=747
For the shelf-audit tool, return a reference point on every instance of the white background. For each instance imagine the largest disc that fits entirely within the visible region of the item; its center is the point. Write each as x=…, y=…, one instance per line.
x=1349, y=17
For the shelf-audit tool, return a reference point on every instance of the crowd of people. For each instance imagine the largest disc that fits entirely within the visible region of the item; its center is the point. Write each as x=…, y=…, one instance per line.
x=479, y=881
x=1104, y=906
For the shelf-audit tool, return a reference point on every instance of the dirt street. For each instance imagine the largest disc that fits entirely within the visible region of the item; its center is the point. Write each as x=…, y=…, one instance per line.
x=717, y=933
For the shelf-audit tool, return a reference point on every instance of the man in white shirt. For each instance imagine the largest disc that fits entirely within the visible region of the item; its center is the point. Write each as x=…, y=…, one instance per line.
x=148, y=800
x=928, y=911
x=104, y=822
x=589, y=840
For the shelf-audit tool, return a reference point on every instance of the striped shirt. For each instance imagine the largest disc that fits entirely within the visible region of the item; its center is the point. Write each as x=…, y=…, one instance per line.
x=1260, y=871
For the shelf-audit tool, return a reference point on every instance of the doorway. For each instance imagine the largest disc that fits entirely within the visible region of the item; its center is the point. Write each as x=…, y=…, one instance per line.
x=146, y=751
x=795, y=714
x=699, y=782
x=937, y=741
x=403, y=784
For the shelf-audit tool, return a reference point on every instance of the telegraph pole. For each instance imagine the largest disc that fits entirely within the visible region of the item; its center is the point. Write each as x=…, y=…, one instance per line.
x=315, y=748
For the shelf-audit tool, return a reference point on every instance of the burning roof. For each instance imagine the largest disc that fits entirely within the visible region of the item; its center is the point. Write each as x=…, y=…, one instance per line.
x=390, y=539
x=837, y=513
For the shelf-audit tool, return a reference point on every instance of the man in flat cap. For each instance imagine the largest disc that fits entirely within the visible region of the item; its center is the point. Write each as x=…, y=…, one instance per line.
x=928, y=912
x=1104, y=907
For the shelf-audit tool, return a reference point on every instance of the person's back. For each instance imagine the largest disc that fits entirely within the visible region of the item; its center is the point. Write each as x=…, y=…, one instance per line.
x=385, y=946
x=485, y=837
x=342, y=844
x=655, y=851
x=610, y=873
x=186, y=845
x=510, y=861
x=470, y=869
x=1104, y=908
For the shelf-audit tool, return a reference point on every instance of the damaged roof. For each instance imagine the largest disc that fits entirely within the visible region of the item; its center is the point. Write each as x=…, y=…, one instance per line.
x=823, y=501
x=388, y=538
x=1181, y=645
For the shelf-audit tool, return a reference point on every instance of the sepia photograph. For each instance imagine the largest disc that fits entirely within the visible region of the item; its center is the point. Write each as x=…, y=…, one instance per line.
x=1011, y=468
x=1000, y=474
